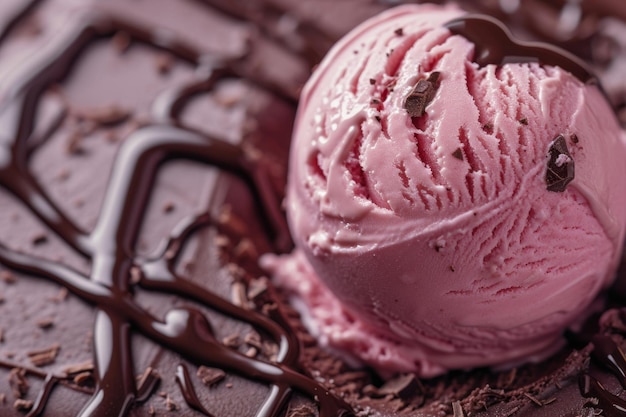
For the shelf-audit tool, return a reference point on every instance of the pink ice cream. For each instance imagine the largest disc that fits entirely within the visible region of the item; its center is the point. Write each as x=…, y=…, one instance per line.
x=432, y=242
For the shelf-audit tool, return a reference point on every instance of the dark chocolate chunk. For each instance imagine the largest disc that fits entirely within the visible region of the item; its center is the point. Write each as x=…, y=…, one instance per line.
x=560, y=169
x=421, y=95
x=458, y=154
x=18, y=383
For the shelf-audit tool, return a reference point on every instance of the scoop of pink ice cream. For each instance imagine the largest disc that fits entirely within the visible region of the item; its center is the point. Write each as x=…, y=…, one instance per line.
x=437, y=241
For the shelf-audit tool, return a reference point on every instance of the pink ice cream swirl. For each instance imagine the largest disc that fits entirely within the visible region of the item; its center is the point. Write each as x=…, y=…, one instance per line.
x=432, y=242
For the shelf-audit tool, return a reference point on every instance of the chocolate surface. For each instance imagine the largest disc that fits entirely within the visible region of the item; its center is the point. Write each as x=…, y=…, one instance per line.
x=142, y=163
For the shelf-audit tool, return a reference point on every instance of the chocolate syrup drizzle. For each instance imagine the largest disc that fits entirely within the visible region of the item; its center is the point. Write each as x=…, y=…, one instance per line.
x=494, y=44
x=110, y=246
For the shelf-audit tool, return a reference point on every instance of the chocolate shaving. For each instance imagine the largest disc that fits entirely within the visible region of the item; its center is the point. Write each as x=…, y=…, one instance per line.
x=45, y=356
x=210, y=376
x=403, y=386
x=457, y=409
x=83, y=379
x=79, y=368
x=105, y=116
x=399, y=32
x=421, y=95
x=300, y=411
x=560, y=169
x=18, y=383
x=170, y=405
x=574, y=138
x=23, y=405
x=523, y=121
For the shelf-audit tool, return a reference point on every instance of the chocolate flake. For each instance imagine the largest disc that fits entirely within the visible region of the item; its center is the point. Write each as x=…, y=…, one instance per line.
x=560, y=169
x=169, y=207
x=210, y=376
x=523, y=121
x=488, y=127
x=458, y=154
x=23, y=405
x=399, y=32
x=1, y=335
x=256, y=288
x=372, y=81
x=421, y=95
x=574, y=138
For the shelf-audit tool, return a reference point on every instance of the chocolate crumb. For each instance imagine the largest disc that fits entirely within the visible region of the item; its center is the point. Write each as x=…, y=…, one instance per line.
x=421, y=95
x=488, y=127
x=399, y=32
x=574, y=138
x=7, y=277
x=60, y=296
x=39, y=239
x=73, y=144
x=523, y=121
x=170, y=405
x=164, y=63
x=452, y=268
x=121, y=41
x=302, y=410
x=253, y=339
x=251, y=352
x=372, y=81
x=23, y=405
x=458, y=154
x=210, y=376
x=1, y=335
x=45, y=323
x=229, y=385
x=18, y=383
x=169, y=207
x=560, y=169
x=403, y=386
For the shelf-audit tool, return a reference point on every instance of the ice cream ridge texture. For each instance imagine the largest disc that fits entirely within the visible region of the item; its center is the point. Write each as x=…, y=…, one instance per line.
x=455, y=196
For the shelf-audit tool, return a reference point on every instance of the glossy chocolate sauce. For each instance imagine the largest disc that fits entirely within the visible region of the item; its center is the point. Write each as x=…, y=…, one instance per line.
x=110, y=245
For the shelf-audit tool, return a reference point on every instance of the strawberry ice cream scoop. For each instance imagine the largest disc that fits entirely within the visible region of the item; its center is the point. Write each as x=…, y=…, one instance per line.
x=453, y=205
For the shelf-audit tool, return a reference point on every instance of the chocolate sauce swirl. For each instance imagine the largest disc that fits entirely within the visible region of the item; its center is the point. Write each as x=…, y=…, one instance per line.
x=110, y=245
